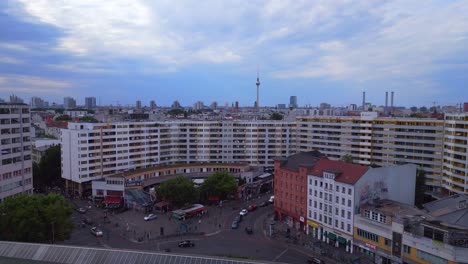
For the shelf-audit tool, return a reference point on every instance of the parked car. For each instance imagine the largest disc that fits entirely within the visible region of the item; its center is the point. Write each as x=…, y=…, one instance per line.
x=150, y=217
x=238, y=218
x=234, y=224
x=252, y=207
x=81, y=210
x=96, y=232
x=272, y=199
x=243, y=212
x=314, y=261
x=87, y=221
x=186, y=243
x=263, y=204
x=249, y=230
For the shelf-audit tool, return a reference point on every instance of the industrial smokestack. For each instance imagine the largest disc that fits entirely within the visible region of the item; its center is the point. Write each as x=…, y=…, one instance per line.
x=391, y=102
x=386, y=103
x=363, y=100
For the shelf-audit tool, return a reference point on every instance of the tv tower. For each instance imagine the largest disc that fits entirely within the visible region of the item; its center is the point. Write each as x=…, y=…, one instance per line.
x=258, y=90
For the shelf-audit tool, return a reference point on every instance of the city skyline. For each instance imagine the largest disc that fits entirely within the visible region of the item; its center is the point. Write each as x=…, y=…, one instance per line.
x=130, y=50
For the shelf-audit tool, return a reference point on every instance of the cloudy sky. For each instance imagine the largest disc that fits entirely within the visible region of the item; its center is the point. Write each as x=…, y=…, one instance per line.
x=321, y=51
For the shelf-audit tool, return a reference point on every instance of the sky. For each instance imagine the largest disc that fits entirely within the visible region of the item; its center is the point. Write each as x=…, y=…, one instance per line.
x=329, y=51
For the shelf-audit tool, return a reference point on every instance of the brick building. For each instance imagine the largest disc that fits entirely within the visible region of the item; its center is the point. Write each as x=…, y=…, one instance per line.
x=290, y=189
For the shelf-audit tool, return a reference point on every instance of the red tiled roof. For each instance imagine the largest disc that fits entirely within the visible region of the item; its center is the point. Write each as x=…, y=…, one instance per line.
x=348, y=172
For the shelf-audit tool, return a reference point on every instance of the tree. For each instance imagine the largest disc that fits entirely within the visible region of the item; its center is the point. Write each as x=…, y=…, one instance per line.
x=219, y=184
x=347, y=158
x=88, y=119
x=276, y=116
x=48, y=172
x=423, y=109
x=35, y=218
x=63, y=118
x=414, y=109
x=179, y=191
x=420, y=189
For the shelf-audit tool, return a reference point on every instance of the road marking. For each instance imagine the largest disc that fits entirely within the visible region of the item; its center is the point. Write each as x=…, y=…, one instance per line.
x=281, y=254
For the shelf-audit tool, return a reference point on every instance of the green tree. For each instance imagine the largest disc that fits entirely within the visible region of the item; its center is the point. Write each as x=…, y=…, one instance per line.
x=420, y=189
x=347, y=158
x=35, y=218
x=276, y=116
x=88, y=119
x=48, y=172
x=63, y=118
x=219, y=184
x=179, y=191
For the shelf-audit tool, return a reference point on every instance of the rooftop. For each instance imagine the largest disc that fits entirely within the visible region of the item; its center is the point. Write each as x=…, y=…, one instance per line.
x=344, y=172
x=452, y=210
x=303, y=159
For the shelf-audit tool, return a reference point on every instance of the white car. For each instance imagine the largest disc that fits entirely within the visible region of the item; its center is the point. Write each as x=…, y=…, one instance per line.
x=150, y=217
x=96, y=232
x=243, y=212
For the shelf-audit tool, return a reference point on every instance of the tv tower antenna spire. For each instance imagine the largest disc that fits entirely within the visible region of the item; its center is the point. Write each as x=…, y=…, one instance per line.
x=258, y=89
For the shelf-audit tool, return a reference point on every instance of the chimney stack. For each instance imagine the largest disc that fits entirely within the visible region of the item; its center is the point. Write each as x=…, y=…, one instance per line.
x=386, y=103
x=391, y=102
x=363, y=101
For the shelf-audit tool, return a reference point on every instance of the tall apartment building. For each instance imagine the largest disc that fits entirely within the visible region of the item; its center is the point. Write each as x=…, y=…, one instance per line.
x=90, y=102
x=455, y=167
x=372, y=140
x=16, y=166
x=36, y=102
x=91, y=151
x=69, y=102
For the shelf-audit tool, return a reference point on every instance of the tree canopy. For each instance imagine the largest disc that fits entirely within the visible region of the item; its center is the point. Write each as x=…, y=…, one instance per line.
x=219, y=184
x=63, y=118
x=88, y=119
x=276, y=116
x=48, y=172
x=347, y=158
x=178, y=191
x=35, y=218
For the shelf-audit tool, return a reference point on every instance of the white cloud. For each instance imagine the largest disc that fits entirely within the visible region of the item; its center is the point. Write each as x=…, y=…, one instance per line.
x=347, y=40
x=14, y=46
x=10, y=60
x=32, y=85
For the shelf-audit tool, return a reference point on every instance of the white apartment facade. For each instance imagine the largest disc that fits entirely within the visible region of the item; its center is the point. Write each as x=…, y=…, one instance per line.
x=373, y=140
x=15, y=144
x=92, y=151
x=336, y=191
x=455, y=166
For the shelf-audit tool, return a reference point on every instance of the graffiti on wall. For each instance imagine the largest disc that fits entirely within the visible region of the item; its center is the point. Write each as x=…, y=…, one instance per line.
x=373, y=190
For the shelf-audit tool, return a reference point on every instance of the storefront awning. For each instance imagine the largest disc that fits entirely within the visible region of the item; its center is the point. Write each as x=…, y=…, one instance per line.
x=331, y=236
x=112, y=200
x=341, y=240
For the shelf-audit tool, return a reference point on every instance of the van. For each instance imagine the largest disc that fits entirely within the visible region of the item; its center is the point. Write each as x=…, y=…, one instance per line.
x=272, y=199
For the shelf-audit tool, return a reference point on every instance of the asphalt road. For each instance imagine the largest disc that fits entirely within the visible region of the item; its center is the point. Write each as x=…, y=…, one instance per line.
x=226, y=242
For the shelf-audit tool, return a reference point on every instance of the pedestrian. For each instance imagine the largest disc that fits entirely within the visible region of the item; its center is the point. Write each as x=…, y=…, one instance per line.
x=199, y=221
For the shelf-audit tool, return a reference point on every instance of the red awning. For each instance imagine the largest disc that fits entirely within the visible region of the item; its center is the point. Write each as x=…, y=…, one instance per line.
x=113, y=200
x=162, y=204
x=213, y=198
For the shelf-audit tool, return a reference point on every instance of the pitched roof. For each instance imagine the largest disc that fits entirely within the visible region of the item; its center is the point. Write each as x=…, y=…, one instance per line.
x=346, y=172
x=307, y=159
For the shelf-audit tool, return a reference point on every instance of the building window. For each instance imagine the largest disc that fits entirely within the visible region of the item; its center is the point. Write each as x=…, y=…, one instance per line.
x=315, y=215
x=315, y=183
x=320, y=217
x=349, y=203
x=342, y=225
x=320, y=194
x=367, y=235
x=343, y=190
x=342, y=213
x=382, y=218
x=388, y=242
x=326, y=185
x=350, y=191
x=337, y=211
x=321, y=184
x=343, y=201
x=337, y=199
x=320, y=206
x=310, y=181
x=310, y=202
x=406, y=249
x=310, y=214
x=367, y=214
x=348, y=228
x=310, y=192
x=315, y=204
x=337, y=188
x=349, y=215
x=336, y=223
x=374, y=216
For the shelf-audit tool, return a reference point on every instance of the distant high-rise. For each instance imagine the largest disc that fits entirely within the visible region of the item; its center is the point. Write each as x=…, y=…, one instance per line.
x=69, y=102
x=138, y=104
x=152, y=104
x=257, y=103
x=293, y=101
x=90, y=102
x=198, y=105
x=37, y=102
x=214, y=105
x=15, y=99
x=176, y=105
x=325, y=106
